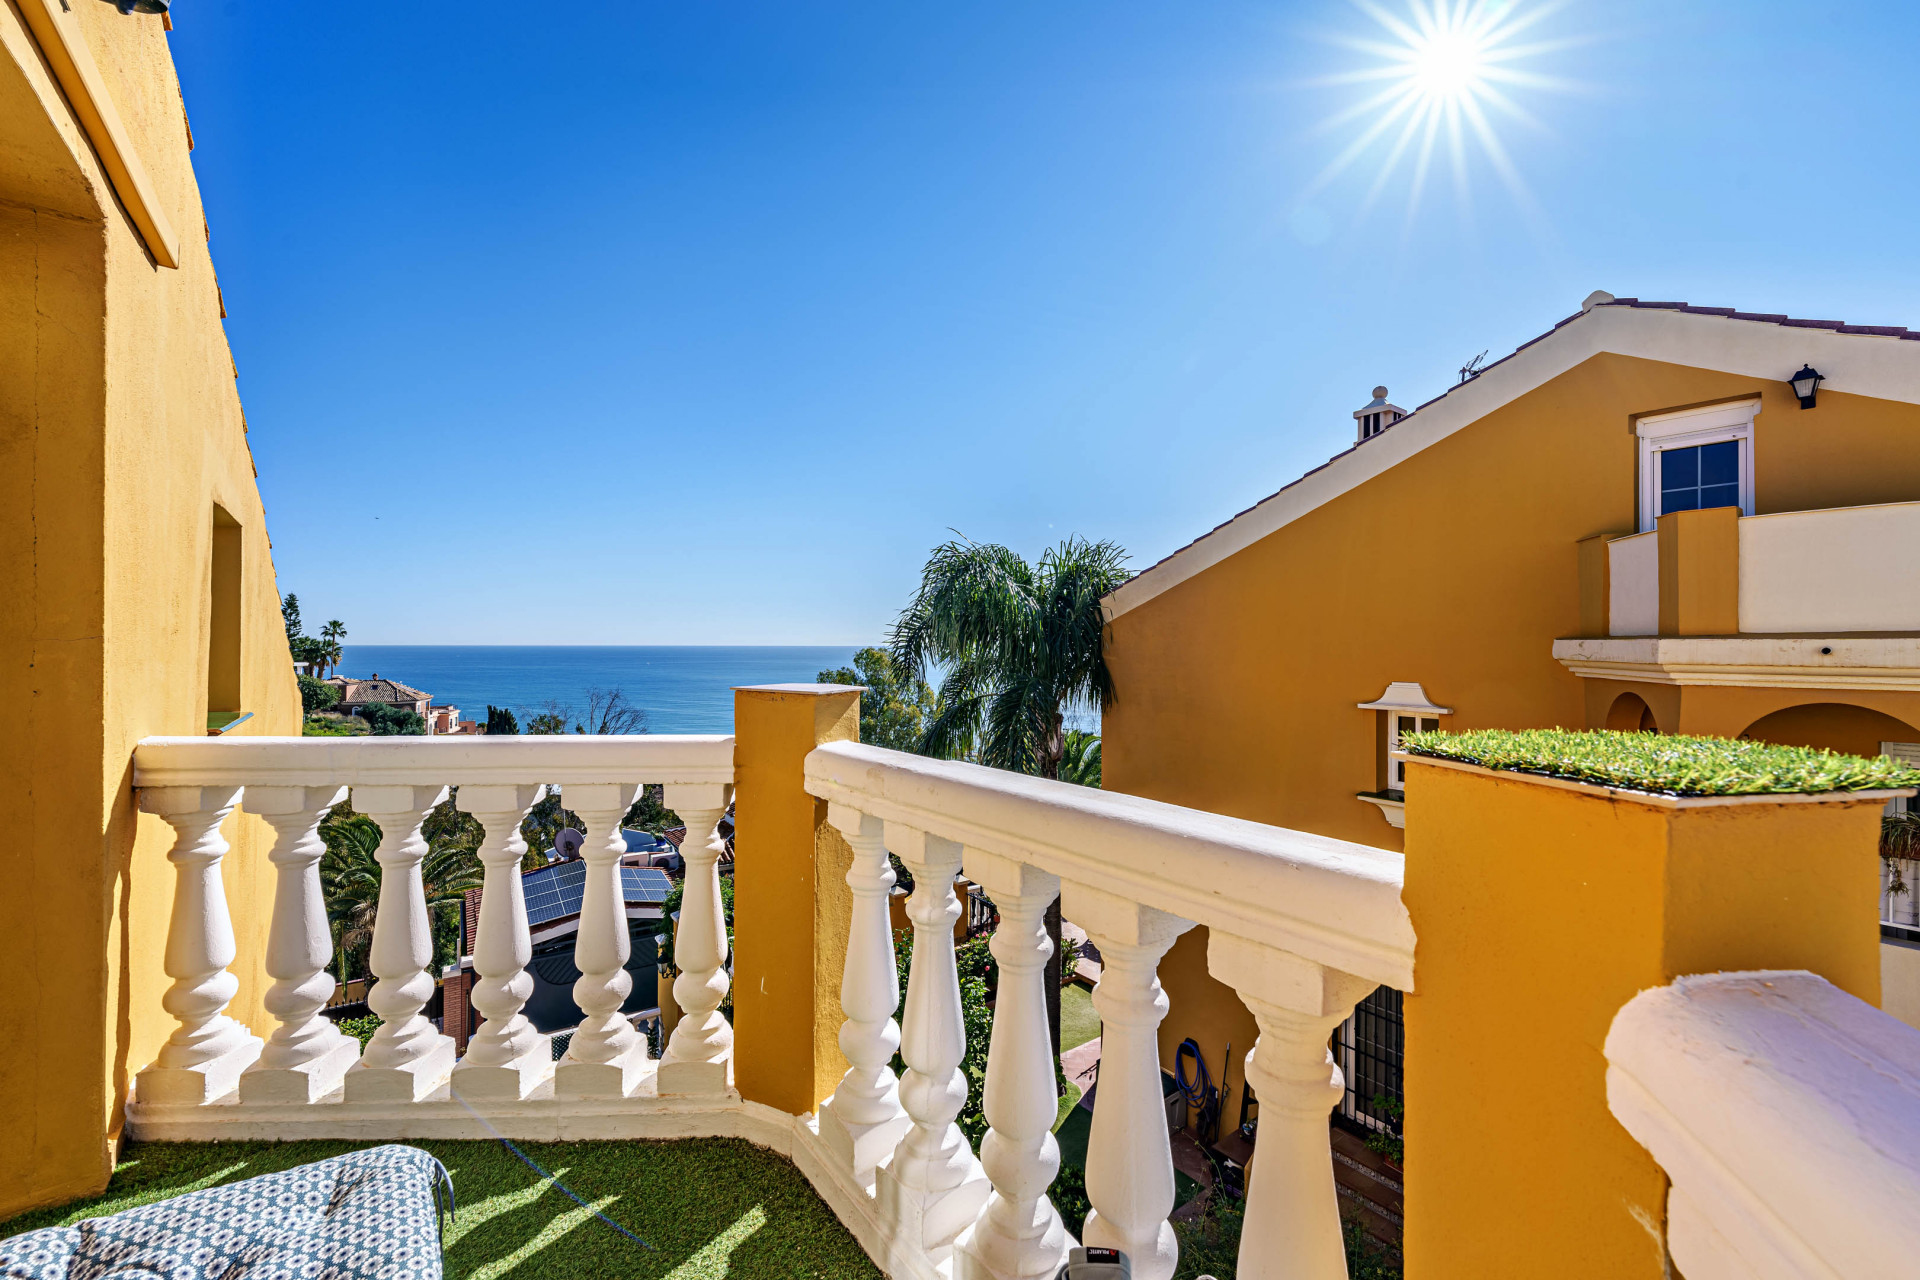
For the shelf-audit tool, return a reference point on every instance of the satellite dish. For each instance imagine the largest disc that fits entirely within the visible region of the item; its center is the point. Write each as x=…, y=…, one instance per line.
x=566, y=845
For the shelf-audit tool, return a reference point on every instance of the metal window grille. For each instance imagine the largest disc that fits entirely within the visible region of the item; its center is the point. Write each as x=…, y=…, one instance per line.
x=1370, y=1048
x=982, y=915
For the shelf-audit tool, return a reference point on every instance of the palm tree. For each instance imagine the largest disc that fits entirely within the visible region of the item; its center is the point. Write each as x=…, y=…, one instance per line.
x=350, y=882
x=1022, y=646
x=1081, y=763
x=331, y=635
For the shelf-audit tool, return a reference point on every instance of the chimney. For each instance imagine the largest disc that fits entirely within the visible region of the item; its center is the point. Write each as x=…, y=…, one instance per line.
x=1376, y=416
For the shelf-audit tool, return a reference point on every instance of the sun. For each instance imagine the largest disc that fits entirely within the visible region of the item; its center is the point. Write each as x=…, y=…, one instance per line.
x=1446, y=64
x=1440, y=72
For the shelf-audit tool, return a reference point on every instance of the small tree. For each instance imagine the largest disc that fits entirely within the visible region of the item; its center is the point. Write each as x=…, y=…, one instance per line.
x=501, y=721
x=317, y=695
x=290, y=614
x=895, y=707
x=608, y=711
x=332, y=636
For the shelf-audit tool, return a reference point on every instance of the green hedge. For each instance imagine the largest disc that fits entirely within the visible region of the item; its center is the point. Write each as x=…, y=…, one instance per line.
x=1666, y=764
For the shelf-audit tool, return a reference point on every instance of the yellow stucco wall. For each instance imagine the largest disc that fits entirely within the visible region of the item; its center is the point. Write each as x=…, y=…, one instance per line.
x=122, y=430
x=1540, y=912
x=1457, y=568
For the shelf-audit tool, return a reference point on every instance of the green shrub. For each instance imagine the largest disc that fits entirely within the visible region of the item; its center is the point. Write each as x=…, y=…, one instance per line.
x=386, y=721
x=1667, y=764
x=316, y=694
x=326, y=724
x=360, y=1029
x=1069, y=1196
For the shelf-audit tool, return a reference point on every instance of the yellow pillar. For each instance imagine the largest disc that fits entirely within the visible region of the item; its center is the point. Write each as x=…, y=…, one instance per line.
x=1700, y=572
x=791, y=904
x=1542, y=908
x=1596, y=579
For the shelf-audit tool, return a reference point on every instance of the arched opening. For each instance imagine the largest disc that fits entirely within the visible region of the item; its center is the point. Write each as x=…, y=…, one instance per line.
x=1836, y=726
x=1631, y=714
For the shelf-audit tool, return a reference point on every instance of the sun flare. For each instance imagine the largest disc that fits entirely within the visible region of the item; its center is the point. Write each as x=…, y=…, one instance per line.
x=1438, y=73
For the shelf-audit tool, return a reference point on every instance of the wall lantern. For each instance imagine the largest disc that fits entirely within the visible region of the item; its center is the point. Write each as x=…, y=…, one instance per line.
x=1805, y=384
x=139, y=6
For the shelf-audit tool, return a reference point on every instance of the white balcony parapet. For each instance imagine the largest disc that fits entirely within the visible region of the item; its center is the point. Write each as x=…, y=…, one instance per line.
x=1786, y=1114
x=1837, y=570
x=1303, y=927
x=1633, y=585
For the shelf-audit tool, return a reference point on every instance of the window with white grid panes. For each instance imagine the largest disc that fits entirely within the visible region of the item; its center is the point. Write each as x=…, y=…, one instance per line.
x=1399, y=723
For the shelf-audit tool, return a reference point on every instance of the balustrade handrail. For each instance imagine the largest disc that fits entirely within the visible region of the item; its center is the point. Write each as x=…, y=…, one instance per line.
x=1328, y=900
x=433, y=761
x=1786, y=1114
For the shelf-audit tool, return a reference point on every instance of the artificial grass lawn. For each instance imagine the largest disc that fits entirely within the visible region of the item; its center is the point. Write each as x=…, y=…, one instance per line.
x=1669, y=764
x=709, y=1207
x=1078, y=1022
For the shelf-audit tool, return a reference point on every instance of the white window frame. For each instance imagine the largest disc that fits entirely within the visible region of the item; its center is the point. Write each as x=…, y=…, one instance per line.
x=1403, y=698
x=1714, y=424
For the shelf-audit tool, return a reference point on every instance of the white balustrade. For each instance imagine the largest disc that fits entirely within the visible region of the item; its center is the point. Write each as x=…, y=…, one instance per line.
x=1129, y=1163
x=1302, y=927
x=1786, y=1116
x=203, y=1058
x=306, y=1057
x=507, y=1057
x=607, y=1056
x=407, y=1059
x=933, y=1188
x=699, y=1057
x=863, y=1119
x=1019, y=1233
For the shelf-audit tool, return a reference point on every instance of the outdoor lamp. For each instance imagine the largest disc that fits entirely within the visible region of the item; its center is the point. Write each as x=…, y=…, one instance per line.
x=140, y=6
x=1805, y=383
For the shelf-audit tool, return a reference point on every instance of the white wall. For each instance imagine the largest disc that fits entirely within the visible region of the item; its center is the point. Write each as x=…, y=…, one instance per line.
x=1849, y=569
x=1900, y=980
x=1633, y=585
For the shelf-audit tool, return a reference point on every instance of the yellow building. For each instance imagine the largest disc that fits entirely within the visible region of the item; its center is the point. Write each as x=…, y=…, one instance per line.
x=1633, y=521
x=136, y=570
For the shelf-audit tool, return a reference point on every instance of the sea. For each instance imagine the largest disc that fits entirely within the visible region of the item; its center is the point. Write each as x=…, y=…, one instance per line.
x=683, y=689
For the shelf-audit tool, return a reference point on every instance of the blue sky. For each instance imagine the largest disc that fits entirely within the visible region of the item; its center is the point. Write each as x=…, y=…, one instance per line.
x=648, y=323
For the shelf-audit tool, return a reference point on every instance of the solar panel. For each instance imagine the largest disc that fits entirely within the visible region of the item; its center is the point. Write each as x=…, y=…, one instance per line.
x=554, y=892
x=645, y=886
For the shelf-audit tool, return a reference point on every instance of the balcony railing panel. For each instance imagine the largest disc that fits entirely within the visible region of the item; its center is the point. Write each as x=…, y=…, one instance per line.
x=1302, y=928
x=1786, y=1114
x=1846, y=569
x=1633, y=585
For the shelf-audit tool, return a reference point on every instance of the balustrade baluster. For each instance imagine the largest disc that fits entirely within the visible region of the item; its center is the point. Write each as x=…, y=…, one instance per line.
x=1129, y=1159
x=607, y=1057
x=307, y=1055
x=1018, y=1235
x=407, y=1059
x=507, y=1057
x=698, y=1059
x=203, y=1058
x=863, y=1120
x=1292, y=1222
x=933, y=1188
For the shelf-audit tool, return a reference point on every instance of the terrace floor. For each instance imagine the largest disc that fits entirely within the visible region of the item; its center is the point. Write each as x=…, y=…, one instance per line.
x=705, y=1207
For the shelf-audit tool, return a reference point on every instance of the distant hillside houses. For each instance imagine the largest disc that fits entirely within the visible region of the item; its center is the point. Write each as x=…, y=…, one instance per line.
x=358, y=694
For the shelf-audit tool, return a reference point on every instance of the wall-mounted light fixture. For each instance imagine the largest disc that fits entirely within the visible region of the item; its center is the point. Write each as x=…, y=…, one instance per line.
x=1805, y=384
x=140, y=6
